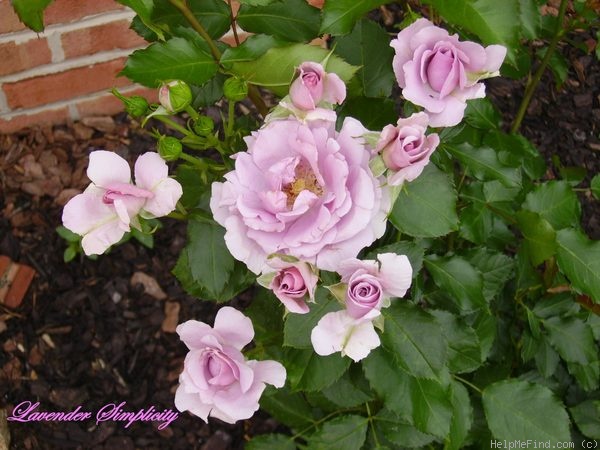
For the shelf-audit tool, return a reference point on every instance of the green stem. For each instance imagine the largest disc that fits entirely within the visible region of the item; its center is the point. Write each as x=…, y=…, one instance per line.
x=172, y=124
x=192, y=112
x=230, y=119
x=372, y=425
x=193, y=160
x=468, y=383
x=533, y=82
x=176, y=215
x=256, y=98
x=182, y=6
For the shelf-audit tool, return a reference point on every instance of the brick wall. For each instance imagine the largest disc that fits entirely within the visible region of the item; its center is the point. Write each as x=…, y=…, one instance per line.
x=66, y=71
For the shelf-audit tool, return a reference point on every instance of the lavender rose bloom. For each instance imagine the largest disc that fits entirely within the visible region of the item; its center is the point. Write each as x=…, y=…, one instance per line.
x=293, y=284
x=370, y=282
x=314, y=85
x=217, y=380
x=406, y=149
x=439, y=72
x=300, y=190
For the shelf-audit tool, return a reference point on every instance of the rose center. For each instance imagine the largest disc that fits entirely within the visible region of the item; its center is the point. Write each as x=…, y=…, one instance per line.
x=305, y=180
x=123, y=190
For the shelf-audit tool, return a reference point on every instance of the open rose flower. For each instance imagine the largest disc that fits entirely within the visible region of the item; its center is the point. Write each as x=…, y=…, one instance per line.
x=439, y=72
x=303, y=191
x=340, y=332
x=370, y=282
x=108, y=207
x=217, y=380
x=292, y=283
x=406, y=149
x=314, y=85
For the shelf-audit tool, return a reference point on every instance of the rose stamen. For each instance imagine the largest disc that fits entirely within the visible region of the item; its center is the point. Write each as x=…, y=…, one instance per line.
x=305, y=181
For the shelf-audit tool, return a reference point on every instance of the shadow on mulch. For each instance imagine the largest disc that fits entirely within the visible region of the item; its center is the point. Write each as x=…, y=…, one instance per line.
x=87, y=335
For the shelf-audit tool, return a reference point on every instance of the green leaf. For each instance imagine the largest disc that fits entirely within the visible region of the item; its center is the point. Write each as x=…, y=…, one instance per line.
x=588, y=375
x=476, y=222
x=213, y=15
x=462, y=417
x=546, y=359
x=481, y=113
x=587, y=417
x=175, y=59
x=339, y=16
x=256, y=2
x=252, y=48
x=271, y=442
x=540, y=237
x=572, y=338
x=266, y=313
x=494, y=191
x=492, y=21
x=368, y=47
x=373, y=113
x=519, y=410
x=556, y=202
x=459, y=279
x=595, y=186
x=276, y=67
x=31, y=12
x=308, y=371
x=426, y=207
x=292, y=20
x=346, y=392
x=579, y=259
x=289, y=408
x=399, y=432
x=415, y=339
x=70, y=253
x=205, y=267
x=298, y=327
x=67, y=234
x=515, y=150
x=483, y=162
x=464, y=351
x=495, y=268
x=530, y=18
x=432, y=410
x=342, y=433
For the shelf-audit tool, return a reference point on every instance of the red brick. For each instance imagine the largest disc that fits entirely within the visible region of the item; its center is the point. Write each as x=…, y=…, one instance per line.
x=19, y=57
x=110, y=36
x=60, y=115
x=9, y=21
x=107, y=104
x=64, y=85
x=63, y=11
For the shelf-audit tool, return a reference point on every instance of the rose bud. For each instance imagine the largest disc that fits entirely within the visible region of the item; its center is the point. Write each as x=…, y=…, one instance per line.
x=135, y=105
x=406, y=149
x=313, y=85
x=440, y=73
x=204, y=125
x=169, y=148
x=175, y=96
x=235, y=89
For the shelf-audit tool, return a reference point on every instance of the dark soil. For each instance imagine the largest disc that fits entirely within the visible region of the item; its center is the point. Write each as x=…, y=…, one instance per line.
x=88, y=334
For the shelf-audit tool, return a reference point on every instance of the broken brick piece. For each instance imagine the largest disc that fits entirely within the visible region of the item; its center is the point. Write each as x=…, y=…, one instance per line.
x=14, y=281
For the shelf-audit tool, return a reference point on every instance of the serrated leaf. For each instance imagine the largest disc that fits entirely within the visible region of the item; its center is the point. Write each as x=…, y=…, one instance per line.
x=415, y=339
x=432, y=410
x=459, y=279
x=342, y=433
x=515, y=150
x=271, y=442
x=426, y=207
x=540, y=237
x=579, y=259
x=587, y=417
x=292, y=20
x=481, y=113
x=462, y=417
x=495, y=268
x=31, y=12
x=308, y=371
x=546, y=359
x=339, y=16
x=399, y=432
x=556, y=202
x=177, y=58
x=588, y=375
x=368, y=47
x=287, y=407
x=346, y=392
x=530, y=18
x=297, y=327
x=213, y=15
x=252, y=48
x=275, y=69
x=464, y=350
x=519, y=410
x=483, y=162
x=373, y=113
x=572, y=338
